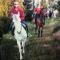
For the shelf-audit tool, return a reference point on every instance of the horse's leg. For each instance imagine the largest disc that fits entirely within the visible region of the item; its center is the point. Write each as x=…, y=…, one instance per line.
x=38, y=31
x=41, y=30
x=23, y=45
x=20, y=50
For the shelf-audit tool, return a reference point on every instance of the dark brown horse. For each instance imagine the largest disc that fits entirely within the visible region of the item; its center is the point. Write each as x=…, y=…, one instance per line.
x=39, y=22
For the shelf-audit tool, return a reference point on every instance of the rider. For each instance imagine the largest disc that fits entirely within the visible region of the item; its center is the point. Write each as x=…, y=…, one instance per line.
x=38, y=14
x=15, y=9
x=39, y=19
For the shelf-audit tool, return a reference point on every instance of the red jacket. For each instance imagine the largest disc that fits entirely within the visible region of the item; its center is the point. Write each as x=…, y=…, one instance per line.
x=15, y=10
x=37, y=10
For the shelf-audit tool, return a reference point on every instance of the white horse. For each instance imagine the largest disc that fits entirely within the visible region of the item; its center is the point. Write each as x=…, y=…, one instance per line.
x=55, y=13
x=19, y=34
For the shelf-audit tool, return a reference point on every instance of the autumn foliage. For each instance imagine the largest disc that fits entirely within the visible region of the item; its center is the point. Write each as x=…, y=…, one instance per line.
x=5, y=6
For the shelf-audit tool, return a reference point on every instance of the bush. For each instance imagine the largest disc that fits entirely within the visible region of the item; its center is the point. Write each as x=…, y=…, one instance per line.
x=59, y=6
x=5, y=24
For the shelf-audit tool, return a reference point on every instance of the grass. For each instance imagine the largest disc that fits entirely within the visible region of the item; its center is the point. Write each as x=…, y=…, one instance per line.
x=36, y=48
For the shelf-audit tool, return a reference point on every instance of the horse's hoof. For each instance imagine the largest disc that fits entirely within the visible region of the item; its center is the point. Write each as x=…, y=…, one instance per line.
x=21, y=58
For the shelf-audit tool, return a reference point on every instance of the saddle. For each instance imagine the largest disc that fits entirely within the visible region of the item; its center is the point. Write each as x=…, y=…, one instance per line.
x=25, y=27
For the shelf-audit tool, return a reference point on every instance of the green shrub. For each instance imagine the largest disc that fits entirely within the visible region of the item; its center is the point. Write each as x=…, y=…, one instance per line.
x=5, y=24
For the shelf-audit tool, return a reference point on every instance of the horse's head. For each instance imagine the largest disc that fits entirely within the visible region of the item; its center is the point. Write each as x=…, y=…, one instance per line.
x=16, y=17
x=17, y=22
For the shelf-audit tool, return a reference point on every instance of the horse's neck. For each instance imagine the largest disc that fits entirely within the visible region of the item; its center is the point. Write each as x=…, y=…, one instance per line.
x=17, y=22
